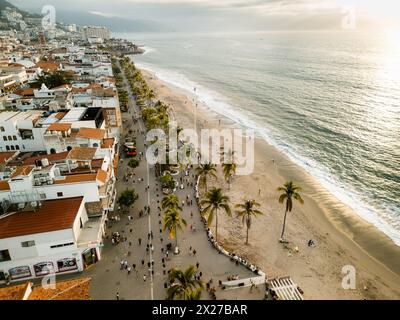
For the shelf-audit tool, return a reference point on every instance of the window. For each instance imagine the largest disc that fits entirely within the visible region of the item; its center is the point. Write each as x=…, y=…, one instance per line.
x=16, y=147
x=42, y=196
x=9, y=138
x=12, y=148
x=8, y=148
x=59, y=194
x=26, y=244
x=5, y=138
x=14, y=138
x=62, y=245
x=4, y=255
x=2, y=129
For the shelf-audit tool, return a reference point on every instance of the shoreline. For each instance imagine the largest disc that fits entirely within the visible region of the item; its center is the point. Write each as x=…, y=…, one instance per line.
x=351, y=240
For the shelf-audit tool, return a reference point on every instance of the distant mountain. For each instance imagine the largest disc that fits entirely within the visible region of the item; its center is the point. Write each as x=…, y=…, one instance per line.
x=115, y=24
x=4, y=4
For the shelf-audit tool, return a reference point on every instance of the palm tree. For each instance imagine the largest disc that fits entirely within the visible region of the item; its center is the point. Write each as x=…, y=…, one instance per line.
x=204, y=171
x=170, y=202
x=172, y=222
x=214, y=201
x=185, y=286
x=289, y=192
x=229, y=170
x=246, y=211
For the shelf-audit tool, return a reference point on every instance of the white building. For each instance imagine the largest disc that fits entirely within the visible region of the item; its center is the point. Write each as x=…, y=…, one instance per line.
x=95, y=32
x=47, y=240
x=18, y=131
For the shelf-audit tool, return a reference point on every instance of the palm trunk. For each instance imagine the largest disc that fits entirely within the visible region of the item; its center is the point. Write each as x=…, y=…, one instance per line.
x=284, y=224
x=247, y=236
x=176, y=238
x=216, y=225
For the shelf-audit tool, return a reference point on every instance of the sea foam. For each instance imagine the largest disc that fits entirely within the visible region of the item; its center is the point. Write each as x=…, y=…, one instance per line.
x=220, y=104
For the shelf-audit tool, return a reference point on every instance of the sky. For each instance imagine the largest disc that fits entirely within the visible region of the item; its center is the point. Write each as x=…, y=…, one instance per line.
x=240, y=14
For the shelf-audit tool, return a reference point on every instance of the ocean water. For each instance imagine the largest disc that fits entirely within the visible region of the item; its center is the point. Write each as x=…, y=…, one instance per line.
x=330, y=101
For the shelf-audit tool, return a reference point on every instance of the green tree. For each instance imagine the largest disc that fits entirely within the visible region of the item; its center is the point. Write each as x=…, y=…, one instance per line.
x=184, y=285
x=213, y=202
x=204, y=171
x=229, y=170
x=133, y=163
x=289, y=192
x=246, y=211
x=168, y=181
x=52, y=80
x=172, y=222
x=128, y=198
x=170, y=202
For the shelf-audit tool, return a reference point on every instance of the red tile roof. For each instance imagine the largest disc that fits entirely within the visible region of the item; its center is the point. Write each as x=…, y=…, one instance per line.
x=24, y=92
x=4, y=186
x=91, y=133
x=51, y=157
x=107, y=143
x=48, y=66
x=5, y=156
x=76, y=178
x=101, y=176
x=54, y=215
x=22, y=171
x=59, y=127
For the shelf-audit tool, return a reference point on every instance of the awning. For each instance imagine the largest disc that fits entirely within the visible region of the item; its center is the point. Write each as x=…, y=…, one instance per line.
x=285, y=289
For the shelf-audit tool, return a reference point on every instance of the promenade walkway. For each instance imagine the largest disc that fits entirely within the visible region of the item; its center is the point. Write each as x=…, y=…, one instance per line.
x=108, y=278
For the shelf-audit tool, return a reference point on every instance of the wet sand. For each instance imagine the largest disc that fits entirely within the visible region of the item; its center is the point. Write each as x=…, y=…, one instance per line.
x=342, y=237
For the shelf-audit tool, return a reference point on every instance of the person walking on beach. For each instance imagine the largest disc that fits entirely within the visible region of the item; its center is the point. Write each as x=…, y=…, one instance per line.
x=144, y=278
x=117, y=296
x=194, y=252
x=140, y=241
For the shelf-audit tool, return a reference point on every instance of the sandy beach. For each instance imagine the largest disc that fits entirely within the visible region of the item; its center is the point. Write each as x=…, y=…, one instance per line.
x=342, y=238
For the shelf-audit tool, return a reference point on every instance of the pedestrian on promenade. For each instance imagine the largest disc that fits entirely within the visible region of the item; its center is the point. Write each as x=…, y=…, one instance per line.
x=194, y=252
x=142, y=263
x=144, y=278
x=140, y=241
x=129, y=270
x=197, y=265
x=117, y=296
